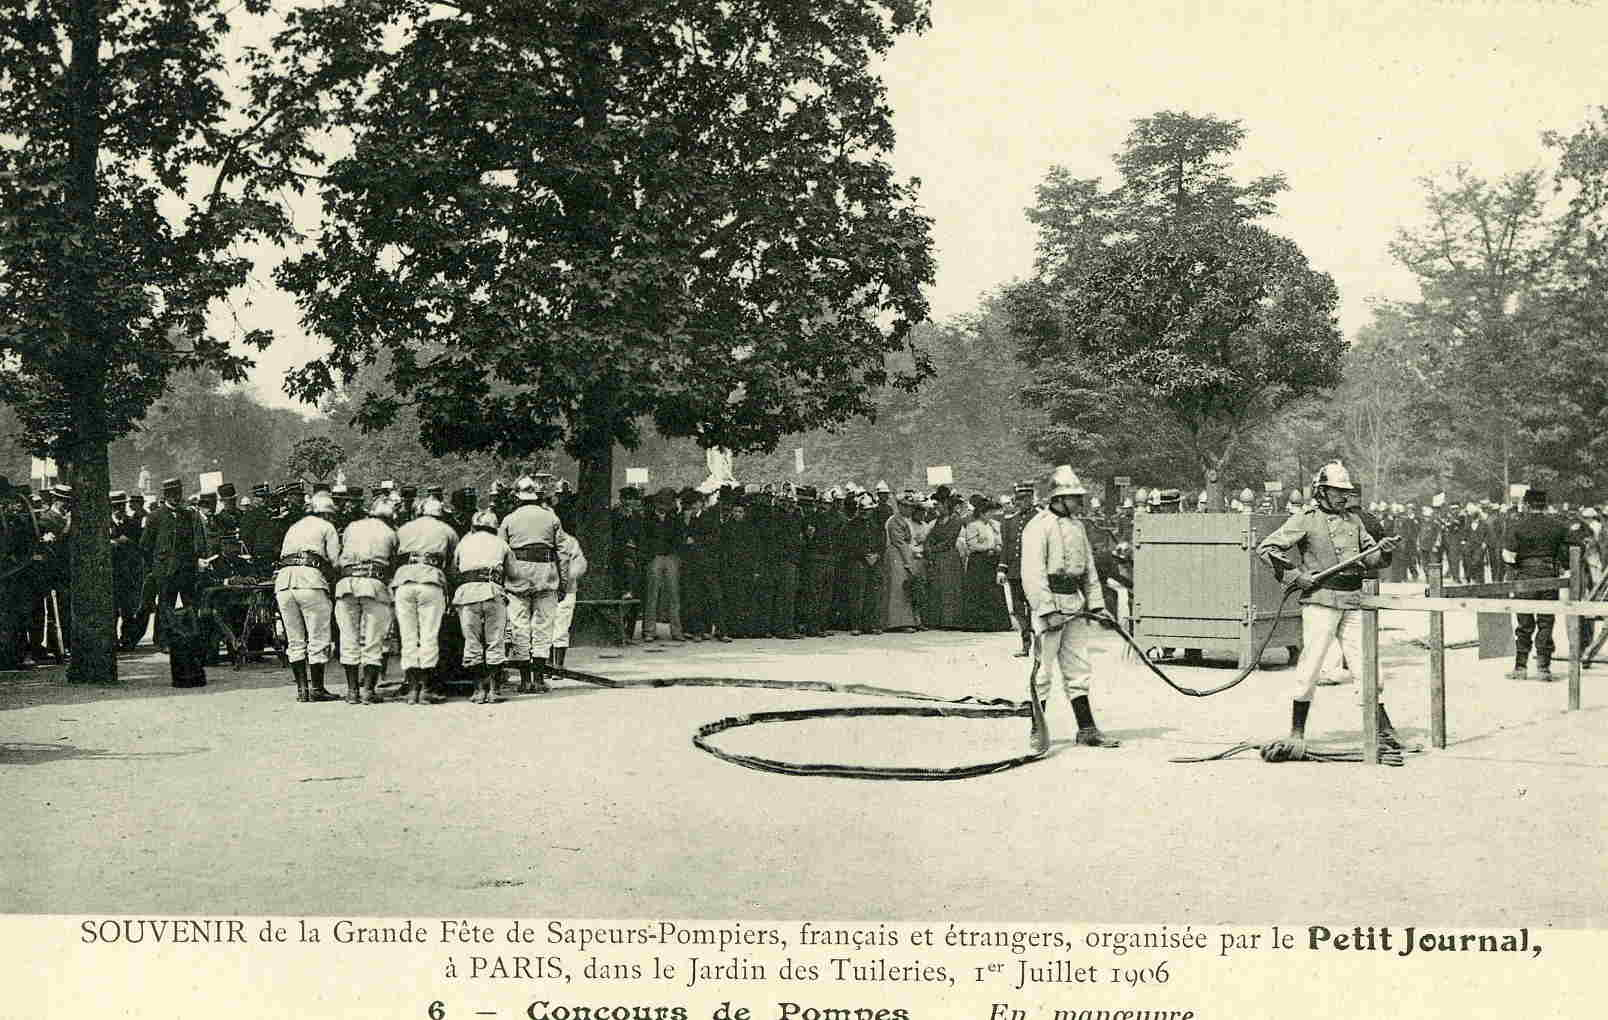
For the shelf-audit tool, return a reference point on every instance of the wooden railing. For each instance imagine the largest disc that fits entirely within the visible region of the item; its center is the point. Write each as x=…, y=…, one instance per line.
x=1571, y=605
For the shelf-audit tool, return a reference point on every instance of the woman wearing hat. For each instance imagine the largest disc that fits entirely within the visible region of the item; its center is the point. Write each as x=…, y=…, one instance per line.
x=898, y=610
x=946, y=571
x=979, y=544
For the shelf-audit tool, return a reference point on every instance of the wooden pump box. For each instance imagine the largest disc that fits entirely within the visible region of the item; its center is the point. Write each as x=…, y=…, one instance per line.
x=1198, y=584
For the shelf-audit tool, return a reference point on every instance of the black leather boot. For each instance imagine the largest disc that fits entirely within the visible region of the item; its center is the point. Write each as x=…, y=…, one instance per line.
x=538, y=682
x=371, y=680
x=1089, y=734
x=415, y=685
x=432, y=695
x=524, y=677
x=316, y=691
x=351, y=683
x=298, y=670
x=1388, y=737
x=492, y=675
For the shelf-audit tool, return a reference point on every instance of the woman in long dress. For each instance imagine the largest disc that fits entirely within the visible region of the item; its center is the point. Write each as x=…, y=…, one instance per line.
x=900, y=555
x=979, y=544
x=945, y=572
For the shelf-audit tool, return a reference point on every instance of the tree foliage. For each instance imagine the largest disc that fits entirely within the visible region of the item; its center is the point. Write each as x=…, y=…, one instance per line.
x=1162, y=316
x=673, y=212
x=124, y=187
x=1508, y=326
x=318, y=456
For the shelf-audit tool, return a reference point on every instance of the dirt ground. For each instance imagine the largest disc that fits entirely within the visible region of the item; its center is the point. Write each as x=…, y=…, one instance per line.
x=590, y=802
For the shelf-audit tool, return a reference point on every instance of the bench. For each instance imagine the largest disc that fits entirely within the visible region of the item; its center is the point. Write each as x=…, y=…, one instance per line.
x=601, y=621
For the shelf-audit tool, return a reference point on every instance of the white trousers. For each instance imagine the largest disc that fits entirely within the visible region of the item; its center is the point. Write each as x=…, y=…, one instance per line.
x=1322, y=628
x=364, y=622
x=306, y=613
x=485, y=630
x=1063, y=653
x=419, y=608
x=531, y=615
x=563, y=616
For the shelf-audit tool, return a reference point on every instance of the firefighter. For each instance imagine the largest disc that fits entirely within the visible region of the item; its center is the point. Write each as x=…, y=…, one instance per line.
x=1322, y=534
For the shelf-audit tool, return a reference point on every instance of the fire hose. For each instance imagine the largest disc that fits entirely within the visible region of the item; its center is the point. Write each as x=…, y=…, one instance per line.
x=937, y=707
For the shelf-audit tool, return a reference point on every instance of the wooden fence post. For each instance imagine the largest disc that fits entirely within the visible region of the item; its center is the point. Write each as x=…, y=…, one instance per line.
x=1575, y=626
x=1370, y=678
x=1437, y=662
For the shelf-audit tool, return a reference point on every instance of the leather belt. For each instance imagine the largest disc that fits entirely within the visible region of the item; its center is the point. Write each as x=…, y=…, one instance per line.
x=490, y=575
x=1066, y=584
x=539, y=552
x=428, y=559
x=373, y=570
x=302, y=559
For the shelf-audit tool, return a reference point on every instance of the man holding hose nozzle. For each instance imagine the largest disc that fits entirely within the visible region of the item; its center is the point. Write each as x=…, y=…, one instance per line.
x=1321, y=535
x=1061, y=581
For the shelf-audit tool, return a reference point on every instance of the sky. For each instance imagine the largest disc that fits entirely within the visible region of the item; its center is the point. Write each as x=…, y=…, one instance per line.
x=1353, y=102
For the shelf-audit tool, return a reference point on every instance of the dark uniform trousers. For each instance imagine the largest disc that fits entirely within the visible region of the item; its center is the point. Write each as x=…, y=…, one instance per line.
x=846, y=594
x=1538, y=626
x=869, y=619
x=784, y=600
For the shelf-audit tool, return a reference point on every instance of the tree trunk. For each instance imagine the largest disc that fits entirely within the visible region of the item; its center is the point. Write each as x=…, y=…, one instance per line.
x=93, y=626
x=593, y=488
x=93, y=638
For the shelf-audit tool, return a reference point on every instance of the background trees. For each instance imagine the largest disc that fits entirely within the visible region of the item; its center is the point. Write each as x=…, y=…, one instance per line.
x=562, y=222
x=117, y=114
x=1163, y=304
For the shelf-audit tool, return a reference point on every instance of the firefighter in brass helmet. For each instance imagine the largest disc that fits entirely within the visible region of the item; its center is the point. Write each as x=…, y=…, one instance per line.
x=1323, y=533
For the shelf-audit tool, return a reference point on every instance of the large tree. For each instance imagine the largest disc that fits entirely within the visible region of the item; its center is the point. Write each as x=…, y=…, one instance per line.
x=124, y=185
x=1482, y=255
x=1162, y=319
x=561, y=220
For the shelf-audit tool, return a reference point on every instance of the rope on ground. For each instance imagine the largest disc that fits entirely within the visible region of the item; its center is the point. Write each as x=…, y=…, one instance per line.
x=1289, y=750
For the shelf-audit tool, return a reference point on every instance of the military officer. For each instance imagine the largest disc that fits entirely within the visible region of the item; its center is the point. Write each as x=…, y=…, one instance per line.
x=128, y=570
x=172, y=543
x=626, y=564
x=1010, y=567
x=227, y=519
x=1537, y=545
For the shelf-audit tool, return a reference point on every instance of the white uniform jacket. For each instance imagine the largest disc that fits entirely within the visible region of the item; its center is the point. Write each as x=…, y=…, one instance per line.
x=1058, y=572
x=309, y=535
x=532, y=532
x=367, y=547
x=424, y=538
